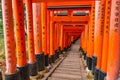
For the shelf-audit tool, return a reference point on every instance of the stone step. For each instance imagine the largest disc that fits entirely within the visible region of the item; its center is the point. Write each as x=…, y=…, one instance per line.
x=73, y=67
x=57, y=78
x=68, y=76
x=68, y=69
x=67, y=72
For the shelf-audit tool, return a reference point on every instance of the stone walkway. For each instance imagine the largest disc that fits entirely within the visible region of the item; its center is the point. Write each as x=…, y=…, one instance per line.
x=71, y=68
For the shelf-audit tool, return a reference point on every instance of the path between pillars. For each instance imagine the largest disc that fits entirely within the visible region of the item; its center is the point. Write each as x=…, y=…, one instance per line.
x=71, y=68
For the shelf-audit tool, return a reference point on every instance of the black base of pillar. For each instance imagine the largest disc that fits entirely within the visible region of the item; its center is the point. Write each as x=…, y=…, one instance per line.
x=46, y=60
x=58, y=53
x=96, y=74
x=85, y=58
x=1, y=75
x=15, y=76
x=40, y=58
x=52, y=59
x=65, y=49
x=102, y=75
x=68, y=48
x=73, y=42
x=55, y=55
x=80, y=49
x=24, y=72
x=94, y=63
x=82, y=52
x=33, y=69
x=89, y=63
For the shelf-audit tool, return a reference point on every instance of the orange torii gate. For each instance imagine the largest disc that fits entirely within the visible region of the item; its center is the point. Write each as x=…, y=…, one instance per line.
x=68, y=29
x=47, y=32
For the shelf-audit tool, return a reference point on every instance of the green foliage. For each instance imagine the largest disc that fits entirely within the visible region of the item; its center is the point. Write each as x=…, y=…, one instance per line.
x=2, y=55
x=2, y=52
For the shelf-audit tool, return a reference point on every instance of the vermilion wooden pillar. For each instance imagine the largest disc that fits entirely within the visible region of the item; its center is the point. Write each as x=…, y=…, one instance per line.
x=86, y=37
x=83, y=44
x=103, y=70
x=114, y=42
x=38, y=37
x=20, y=39
x=91, y=37
x=11, y=70
x=63, y=40
x=57, y=51
x=51, y=38
x=61, y=37
x=99, y=28
x=32, y=60
x=96, y=23
x=48, y=32
x=55, y=36
x=44, y=30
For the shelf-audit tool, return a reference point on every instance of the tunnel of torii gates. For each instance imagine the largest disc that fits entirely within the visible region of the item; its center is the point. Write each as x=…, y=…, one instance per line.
x=50, y=32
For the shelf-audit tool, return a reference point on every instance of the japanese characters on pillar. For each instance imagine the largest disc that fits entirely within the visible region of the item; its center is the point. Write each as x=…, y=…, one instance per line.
x=99, y=37
x=9, y=37
x=38, y=36
x=30, y=31
x=20, y=39
x=20, y=32
x=37, y=30
x=90, y=48
x=51, y=37
x=100, y=34
x=97, y=22
x=114, y=42
x=91, y=31
x=44, y=25
x=30, y=38
x=106, y=38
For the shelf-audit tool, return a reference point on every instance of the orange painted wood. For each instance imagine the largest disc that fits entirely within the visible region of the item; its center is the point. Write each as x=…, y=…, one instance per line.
x=37, y=28
x=99, y=32
x=61, y=36
x=66, y=2
x=51, y=34
x=72, y=18
x=54, y=36
x=9, y=37
x=91, y=32
x=86, y=37
x=48, y=32
x=29, y=15
x=20, y=32
x=106, y=36
x=114, y=42
x=44, y=25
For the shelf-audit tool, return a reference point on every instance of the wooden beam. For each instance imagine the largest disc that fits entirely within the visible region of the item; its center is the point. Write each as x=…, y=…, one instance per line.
x=71, y=18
